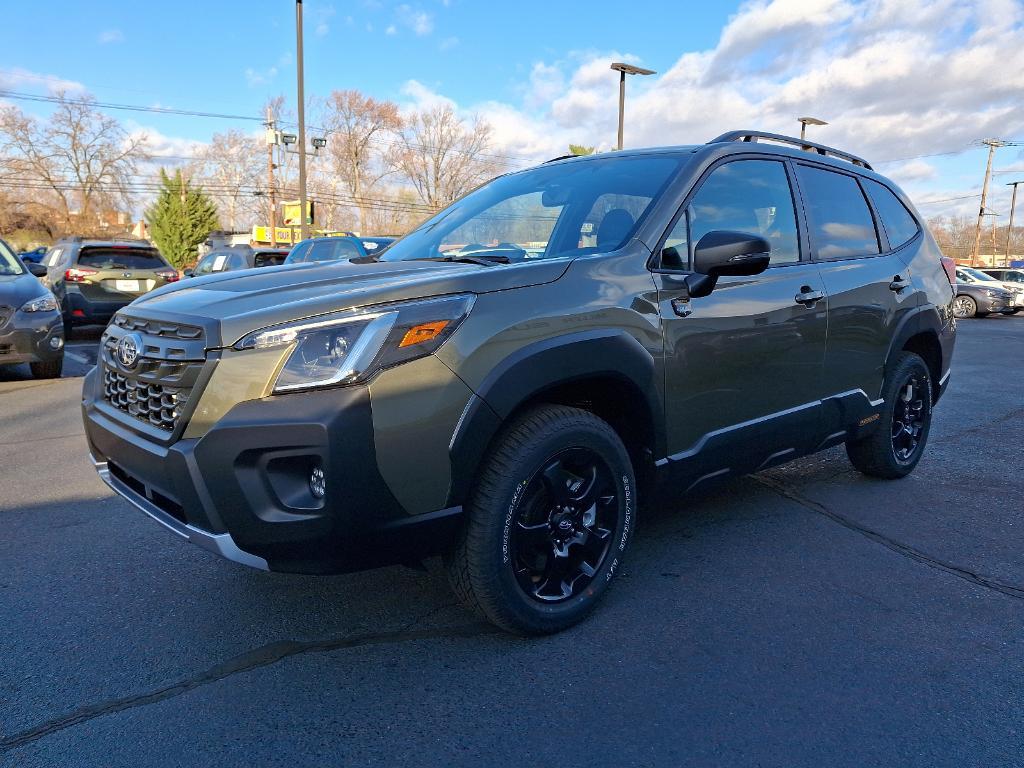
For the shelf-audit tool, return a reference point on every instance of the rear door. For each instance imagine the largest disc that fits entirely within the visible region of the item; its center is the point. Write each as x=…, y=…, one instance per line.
x=867, y=281
x=743, y=365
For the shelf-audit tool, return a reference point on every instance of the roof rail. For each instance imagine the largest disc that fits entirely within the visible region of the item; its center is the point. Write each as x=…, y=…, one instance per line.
x=808, y=146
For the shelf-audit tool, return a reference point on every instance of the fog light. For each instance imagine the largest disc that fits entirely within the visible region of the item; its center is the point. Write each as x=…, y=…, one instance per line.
x=317, y=482
x=56, y=343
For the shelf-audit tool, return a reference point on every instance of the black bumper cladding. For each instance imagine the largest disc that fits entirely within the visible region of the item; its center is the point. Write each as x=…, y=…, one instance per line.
x=242, y=490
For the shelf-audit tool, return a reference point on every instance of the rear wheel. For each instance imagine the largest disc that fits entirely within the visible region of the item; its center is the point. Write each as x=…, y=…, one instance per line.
x=548, y=522
x=51, y=369
x=894, y=449
x=964, y=306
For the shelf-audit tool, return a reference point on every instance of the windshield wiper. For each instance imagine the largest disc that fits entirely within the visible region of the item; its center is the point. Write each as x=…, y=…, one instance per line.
x=487, y=261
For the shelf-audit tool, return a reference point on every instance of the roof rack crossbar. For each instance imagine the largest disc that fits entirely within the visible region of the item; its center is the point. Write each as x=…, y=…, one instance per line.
x=809, y=146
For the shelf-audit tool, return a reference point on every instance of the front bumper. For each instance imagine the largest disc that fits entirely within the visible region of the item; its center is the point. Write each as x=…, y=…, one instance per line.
x=27, y=337
x=242, y=488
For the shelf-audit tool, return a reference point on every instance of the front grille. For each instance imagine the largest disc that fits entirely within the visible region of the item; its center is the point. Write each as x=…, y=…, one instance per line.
x=157, y=387
x=158, y=404
x=6, y=349
x=5, y=315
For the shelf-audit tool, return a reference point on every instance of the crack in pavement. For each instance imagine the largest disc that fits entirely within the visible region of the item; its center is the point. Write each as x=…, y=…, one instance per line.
x=265, y=655
x=788, y=492
x=41, y=439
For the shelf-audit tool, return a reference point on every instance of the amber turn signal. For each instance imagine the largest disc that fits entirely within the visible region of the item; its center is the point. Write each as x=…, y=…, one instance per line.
x=423, y=332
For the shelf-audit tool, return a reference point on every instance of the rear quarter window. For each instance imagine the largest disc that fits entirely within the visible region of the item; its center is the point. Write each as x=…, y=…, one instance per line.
x=121, y=258
x=899, y=225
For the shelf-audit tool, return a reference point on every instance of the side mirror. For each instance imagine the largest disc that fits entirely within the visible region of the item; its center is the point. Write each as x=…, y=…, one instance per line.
x=36, y=269
x=722, y=252
x=189, y=273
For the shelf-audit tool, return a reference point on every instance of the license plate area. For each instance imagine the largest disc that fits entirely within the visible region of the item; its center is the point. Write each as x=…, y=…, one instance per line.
x=127, y=286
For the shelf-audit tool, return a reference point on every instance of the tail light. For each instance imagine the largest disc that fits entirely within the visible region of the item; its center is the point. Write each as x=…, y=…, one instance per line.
x=950, y=267
x=170, y=275
x=79, y=274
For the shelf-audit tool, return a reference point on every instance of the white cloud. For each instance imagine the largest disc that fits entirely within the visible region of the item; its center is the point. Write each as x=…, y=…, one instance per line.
x=391, y=30
x=448, y=43
x=12, y=79
x=256, y=78
x=322, y=17
x=419, y=21
x=894, y=79
x=110, y=36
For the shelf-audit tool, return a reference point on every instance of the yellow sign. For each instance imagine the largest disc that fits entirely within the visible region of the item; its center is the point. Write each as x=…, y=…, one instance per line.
x=285, y=235
x=292, y=215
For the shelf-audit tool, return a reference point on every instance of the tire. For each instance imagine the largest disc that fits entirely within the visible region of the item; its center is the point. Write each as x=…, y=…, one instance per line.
x=964, y=306
x=892, y=453
x=51, y=369
x=548, y=522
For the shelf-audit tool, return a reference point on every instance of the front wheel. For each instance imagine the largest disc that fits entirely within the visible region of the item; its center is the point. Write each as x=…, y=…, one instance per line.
x=548, y=522
x=964, y=306
x=894, y=448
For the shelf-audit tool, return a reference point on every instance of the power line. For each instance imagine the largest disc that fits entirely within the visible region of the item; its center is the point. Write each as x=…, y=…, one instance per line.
x=127, y=107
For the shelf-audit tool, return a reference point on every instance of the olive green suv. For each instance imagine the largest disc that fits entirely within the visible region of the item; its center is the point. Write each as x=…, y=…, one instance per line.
x=504, y=385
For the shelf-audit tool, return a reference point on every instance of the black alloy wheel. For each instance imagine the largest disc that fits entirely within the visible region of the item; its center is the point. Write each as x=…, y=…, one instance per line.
x=909, y=418
x=563, y=529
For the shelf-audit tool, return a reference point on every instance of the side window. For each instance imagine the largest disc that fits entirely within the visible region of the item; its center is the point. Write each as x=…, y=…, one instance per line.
x=675, y=252
x=205, y=265
x=611, y=219
x=53, y=257
x=235, y=261
x=346, y=249
x=840, y=221
x=900, y=226
x=298, y=253
x=750, y=196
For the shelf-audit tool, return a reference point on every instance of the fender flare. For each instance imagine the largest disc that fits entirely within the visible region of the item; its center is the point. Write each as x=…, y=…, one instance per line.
x=924, y=318
x=606, y=353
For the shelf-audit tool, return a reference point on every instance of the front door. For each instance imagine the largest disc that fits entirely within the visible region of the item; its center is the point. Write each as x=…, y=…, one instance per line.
x=743, y=365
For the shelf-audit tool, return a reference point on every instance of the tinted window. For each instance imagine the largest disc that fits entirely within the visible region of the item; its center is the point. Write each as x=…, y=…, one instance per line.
x=750, y=196
x=332, y=250
x=235, y=261
x=52, y=259
x=840, y=220
x=900, y=227
x=120, y=258
x=9, y=263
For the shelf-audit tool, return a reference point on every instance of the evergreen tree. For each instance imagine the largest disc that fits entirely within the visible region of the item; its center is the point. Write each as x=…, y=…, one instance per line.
x=180, y=219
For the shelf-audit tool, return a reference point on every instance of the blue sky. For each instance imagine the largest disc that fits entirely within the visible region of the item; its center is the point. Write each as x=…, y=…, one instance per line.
x=895, y=79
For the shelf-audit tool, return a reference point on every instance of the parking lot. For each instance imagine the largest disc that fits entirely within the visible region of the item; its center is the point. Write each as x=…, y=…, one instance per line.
x=805, y=616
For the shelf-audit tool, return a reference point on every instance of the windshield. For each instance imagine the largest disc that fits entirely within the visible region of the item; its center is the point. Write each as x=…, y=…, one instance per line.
x=9, y=264
x=566, y=209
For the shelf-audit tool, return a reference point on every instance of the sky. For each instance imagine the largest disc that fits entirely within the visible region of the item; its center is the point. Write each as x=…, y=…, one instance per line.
x=911, y=86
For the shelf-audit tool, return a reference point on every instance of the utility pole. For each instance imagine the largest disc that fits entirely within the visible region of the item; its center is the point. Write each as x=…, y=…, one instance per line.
x=992, y=144
x=303, y=225
x=271, y=192
x=1009, y=229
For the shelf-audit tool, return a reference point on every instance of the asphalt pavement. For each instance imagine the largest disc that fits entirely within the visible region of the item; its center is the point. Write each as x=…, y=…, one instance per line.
x=806, y=616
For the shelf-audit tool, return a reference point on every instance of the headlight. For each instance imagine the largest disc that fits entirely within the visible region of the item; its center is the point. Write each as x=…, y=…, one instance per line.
x=349, y=347
x=45, y=303
x=993, y=294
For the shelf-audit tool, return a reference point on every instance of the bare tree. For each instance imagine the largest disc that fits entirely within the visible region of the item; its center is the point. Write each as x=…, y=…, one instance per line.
x=360, y=129
x=79, y=156
x=232, y=167
x=444, y=158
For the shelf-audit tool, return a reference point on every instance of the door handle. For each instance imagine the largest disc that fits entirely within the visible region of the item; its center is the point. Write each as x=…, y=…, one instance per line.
x=808, y=297
x=898, y=284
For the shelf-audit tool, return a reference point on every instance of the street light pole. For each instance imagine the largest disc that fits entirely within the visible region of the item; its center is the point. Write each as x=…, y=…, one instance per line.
x=1009, y=229
x=623, y=70
x=805, y=121
x=303, y=226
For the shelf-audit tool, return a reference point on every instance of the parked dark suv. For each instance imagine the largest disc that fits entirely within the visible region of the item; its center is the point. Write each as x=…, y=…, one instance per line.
x=624, y=325
x=92, y=279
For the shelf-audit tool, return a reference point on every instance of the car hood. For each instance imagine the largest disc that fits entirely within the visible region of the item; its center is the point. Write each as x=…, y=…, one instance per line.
x=15, y=290
x=230, y=305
